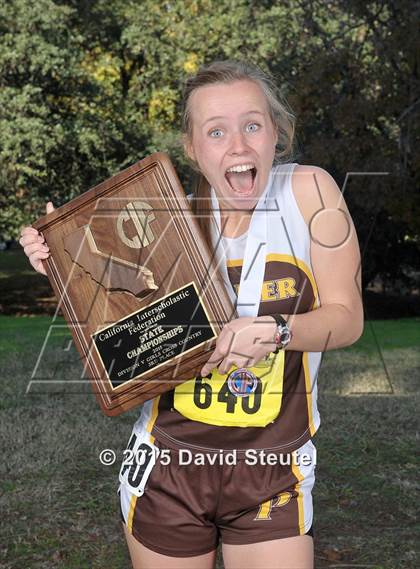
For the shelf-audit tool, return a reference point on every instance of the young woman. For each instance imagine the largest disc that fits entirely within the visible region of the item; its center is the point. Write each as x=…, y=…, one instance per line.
x=236, y=457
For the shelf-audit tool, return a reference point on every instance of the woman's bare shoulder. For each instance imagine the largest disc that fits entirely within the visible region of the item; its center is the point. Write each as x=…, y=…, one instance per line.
x=314, y=189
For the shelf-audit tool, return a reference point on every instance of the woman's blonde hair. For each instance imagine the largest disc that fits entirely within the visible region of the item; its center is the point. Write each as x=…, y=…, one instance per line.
x=281, y=116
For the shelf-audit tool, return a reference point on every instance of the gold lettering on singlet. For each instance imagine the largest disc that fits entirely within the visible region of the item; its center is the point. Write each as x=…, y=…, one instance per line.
x=279, y=289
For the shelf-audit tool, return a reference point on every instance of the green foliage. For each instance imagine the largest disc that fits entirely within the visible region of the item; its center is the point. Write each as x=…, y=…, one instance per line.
x=61, y=130
x=88, y=88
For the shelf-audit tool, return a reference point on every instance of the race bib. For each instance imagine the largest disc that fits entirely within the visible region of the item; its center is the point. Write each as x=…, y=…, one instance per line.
x=217, y=398
x=138, y=462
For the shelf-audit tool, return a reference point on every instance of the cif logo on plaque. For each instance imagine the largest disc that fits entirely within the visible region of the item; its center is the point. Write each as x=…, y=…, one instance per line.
x=95, y=249
x=141, y=214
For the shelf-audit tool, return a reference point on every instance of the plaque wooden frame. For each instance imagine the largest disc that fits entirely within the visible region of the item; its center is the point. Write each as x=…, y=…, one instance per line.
x=123, y=254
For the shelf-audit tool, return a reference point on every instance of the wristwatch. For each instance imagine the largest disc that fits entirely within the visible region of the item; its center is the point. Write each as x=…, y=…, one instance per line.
x=283, y=335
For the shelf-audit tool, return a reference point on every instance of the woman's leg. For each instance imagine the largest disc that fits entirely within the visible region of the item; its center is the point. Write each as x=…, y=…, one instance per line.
x=287, y=553
x=144, y=558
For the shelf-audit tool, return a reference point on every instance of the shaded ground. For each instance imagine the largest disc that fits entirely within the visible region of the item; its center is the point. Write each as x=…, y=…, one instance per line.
x=22, y=290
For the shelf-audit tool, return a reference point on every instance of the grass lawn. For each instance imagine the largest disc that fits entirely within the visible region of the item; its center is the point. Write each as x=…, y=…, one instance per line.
x=59, y=504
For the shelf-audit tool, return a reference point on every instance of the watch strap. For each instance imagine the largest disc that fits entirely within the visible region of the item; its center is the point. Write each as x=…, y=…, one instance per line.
x=280, y=321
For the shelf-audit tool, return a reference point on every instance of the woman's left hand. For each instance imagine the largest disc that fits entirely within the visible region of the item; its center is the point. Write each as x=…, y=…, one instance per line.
x=242, y=342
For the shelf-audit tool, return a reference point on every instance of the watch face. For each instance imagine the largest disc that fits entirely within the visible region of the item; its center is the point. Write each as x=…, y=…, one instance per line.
x=285, y=337
x=282, y=336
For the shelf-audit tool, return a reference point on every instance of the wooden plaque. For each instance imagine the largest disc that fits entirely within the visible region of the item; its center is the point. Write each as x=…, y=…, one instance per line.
x=136, y=283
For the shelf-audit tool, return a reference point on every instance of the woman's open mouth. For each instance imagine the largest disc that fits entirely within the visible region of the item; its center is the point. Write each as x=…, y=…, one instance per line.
x=241, y=178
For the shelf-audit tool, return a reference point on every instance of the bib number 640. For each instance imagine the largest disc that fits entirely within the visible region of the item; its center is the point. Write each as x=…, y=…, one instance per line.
x=203, y=396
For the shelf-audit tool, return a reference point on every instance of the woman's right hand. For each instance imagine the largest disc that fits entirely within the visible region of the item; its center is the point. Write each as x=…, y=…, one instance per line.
x=34, y=245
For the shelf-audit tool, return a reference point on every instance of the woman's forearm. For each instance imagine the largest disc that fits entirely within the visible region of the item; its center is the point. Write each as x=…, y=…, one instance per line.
x=326, y=328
